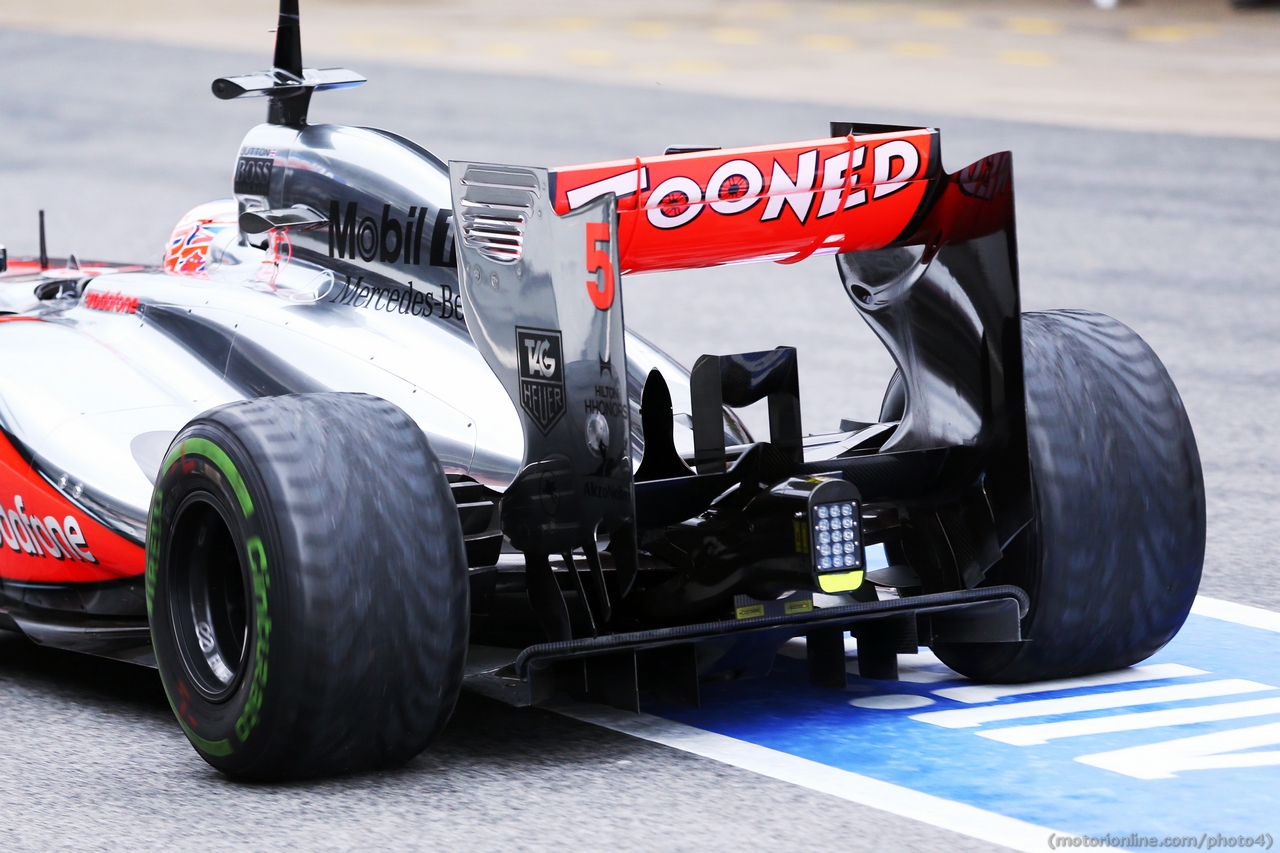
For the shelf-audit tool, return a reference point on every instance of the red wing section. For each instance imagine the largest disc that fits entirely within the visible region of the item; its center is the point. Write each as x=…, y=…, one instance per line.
x=781, y=203
x=45, y=538
x=976, y=201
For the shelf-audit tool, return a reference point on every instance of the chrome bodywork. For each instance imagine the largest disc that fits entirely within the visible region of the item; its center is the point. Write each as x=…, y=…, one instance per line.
x=123, y=360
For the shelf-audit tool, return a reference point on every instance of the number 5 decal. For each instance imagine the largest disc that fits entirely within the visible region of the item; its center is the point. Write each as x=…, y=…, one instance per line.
x=598, y=259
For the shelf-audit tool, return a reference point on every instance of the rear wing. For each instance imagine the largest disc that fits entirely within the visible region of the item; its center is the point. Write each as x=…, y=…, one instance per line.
x=927, y=258
x=769, y=203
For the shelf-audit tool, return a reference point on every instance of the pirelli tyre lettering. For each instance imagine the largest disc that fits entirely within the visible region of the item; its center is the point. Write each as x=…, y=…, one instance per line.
x=208, y=591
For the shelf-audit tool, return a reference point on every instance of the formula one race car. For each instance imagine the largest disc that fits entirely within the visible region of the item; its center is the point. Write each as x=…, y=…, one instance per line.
x=376, y=428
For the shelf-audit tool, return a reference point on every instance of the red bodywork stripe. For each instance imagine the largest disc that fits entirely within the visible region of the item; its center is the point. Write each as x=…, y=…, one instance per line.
x=38, y=544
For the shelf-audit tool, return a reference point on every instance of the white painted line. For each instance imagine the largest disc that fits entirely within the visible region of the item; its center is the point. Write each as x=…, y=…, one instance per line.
x=891, y=701
x=963, y=718
x=924, y=676
x=1216, y=751
x=1041, y=733
x=991, y=692
x=904, y=802
x=1241, y=614
x=1150, y=761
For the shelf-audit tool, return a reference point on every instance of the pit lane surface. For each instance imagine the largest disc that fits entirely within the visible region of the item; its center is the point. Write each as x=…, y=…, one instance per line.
x=1174, y=235
x=1179, y=747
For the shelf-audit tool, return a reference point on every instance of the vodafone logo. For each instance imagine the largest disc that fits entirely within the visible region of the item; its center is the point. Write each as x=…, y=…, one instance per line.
x=835, y=182
x=116, y=302
x=27, y=533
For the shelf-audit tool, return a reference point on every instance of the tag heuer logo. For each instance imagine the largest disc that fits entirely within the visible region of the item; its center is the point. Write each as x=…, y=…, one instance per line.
x=541, y=376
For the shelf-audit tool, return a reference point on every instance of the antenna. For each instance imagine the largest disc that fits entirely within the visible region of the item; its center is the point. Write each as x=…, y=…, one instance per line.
x=290, y=111
x=44, y=254
x=288, y=55
x=286, y=83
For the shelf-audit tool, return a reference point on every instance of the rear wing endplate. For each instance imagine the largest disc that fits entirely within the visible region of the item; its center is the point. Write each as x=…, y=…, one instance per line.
x=543, y=301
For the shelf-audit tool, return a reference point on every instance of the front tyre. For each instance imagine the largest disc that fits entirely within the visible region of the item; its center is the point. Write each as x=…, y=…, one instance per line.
x=307, y=586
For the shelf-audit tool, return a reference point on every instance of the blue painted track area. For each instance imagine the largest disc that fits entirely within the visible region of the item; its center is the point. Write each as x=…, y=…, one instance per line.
x=1186, y=744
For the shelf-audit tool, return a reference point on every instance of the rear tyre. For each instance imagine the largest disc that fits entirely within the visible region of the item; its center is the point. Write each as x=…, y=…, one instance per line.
x=1113, y=556
x=307, y=586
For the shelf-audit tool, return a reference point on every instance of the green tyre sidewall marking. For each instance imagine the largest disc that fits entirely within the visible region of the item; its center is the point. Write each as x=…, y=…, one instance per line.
x=196, y=462
x=216, y=748
x=248, y=719
x=197, y=446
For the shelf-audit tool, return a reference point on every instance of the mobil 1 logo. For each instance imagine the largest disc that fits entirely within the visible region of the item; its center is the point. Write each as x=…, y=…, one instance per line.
x=542, y=394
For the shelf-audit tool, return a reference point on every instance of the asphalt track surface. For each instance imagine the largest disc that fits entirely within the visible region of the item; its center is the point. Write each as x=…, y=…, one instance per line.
x=1178, y=236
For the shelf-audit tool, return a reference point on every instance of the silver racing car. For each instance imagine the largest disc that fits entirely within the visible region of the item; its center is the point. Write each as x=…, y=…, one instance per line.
x=376, y=429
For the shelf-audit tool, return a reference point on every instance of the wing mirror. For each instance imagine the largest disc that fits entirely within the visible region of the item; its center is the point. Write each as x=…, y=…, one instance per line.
x=299, y=217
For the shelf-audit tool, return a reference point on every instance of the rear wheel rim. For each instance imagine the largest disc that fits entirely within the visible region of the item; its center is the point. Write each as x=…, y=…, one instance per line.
x=208, y=597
